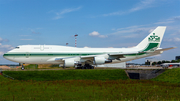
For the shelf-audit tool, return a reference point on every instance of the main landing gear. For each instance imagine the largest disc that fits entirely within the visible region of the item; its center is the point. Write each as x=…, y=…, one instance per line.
x=86, y=66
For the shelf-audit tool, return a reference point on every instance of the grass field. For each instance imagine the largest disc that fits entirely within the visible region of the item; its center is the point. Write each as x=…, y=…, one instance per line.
x=77, y=85
x=171, y=75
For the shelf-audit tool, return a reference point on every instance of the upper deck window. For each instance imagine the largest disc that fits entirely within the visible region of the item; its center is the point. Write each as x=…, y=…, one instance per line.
x=36, y=47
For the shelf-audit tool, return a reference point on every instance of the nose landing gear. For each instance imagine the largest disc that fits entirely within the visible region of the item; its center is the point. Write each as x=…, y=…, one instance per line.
x=22, y=68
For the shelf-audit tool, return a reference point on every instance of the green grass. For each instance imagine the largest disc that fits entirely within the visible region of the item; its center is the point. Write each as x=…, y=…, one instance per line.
x=86, y=88
x=3, y=78
x=68, y=75
x=170, y=75
x=31, y=66
x=55, y=65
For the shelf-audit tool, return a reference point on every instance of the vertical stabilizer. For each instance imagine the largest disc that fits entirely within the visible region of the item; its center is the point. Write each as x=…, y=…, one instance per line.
x=153, y=40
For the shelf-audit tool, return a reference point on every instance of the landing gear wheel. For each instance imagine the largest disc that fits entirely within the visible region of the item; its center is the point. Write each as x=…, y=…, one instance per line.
x=92, y=67
x=22, y=68
x=86, y=66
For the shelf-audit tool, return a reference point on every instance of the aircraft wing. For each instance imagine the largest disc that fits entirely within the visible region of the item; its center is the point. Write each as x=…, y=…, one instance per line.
x=85, y=58
x=117, y=54
x=111, y=55
x=121, y=55
x=91, y=57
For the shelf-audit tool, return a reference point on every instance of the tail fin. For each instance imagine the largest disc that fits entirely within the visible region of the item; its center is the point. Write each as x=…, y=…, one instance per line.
x=153, y=40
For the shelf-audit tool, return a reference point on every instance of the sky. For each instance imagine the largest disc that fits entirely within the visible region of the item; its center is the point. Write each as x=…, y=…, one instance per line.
x=98, y=23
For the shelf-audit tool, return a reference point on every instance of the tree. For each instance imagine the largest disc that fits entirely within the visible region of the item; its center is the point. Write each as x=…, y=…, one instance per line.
x=178, y=60
x=163, y=61
x=154, y=63
x=159, y=62
x=173, y=61
x=167, y=61
x=147, y=63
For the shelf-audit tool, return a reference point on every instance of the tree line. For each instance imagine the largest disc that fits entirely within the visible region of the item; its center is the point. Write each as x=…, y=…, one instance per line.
x=163, y=61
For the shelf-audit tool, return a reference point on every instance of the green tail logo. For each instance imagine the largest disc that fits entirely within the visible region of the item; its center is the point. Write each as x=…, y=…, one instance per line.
x=154, y=38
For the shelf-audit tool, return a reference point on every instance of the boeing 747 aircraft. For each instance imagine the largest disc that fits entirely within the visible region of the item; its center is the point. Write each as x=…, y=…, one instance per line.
x=86, y=58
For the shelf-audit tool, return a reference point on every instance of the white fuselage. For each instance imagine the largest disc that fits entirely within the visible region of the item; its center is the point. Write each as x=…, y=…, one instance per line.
x=46, y=54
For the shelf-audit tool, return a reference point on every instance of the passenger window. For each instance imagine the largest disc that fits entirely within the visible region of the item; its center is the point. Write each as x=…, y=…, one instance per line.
x=36, y=47
x=46, y=47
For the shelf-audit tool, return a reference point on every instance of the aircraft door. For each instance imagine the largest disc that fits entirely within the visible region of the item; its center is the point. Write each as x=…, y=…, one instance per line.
x=27, y=55
x=42, y=47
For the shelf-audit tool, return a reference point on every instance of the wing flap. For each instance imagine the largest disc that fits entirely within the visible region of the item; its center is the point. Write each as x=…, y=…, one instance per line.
x=117, y=54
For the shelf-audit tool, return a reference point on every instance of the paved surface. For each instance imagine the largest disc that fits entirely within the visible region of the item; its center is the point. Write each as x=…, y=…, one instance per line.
x=128, y=68
x=5, y=67
x=14, y=69
x=144, y=68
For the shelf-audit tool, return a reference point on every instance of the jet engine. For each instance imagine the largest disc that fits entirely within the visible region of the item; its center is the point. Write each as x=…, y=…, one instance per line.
x=99, y=60
x=69, y=63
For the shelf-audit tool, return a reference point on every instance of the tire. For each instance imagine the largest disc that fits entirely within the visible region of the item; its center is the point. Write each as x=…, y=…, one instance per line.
x=22, y=68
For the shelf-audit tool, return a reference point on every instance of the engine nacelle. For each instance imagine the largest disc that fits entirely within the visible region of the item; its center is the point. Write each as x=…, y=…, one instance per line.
x=99, y=60
x=69, y=63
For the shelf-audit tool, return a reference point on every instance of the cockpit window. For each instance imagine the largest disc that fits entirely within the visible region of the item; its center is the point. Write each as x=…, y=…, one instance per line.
x=17, y=47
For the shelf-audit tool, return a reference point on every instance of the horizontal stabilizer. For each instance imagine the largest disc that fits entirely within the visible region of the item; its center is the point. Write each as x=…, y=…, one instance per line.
x=165, y=49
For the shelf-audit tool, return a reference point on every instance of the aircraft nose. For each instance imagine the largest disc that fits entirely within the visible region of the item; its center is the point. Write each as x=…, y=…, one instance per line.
x=5, y=56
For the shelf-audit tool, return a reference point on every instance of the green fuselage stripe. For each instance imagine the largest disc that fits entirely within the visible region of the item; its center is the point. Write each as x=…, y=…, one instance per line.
x=151, y=46
x=50, y=54
x=60, y=54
